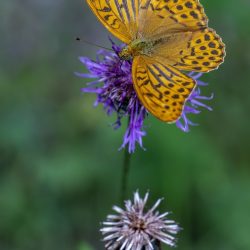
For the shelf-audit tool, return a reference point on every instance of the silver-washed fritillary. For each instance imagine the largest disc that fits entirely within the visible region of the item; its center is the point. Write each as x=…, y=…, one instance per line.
x=164, y=38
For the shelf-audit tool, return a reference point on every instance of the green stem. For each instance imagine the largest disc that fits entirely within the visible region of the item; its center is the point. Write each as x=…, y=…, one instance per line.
x=125, y=173
x=158, y=244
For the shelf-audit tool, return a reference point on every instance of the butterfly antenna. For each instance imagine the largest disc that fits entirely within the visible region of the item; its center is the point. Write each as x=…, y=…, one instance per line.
x=91, y=43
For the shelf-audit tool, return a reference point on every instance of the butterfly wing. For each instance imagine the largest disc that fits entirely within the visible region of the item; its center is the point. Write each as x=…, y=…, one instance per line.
x=185, y=40
x=200, y=51
x=118, y=16
x=162, y=89
x=160, y=16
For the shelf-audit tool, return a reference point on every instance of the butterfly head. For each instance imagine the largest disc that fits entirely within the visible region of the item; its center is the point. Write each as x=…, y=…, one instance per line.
x=126, y=53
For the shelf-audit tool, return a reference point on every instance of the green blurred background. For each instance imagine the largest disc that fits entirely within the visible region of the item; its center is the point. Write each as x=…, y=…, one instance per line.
x=60, y=169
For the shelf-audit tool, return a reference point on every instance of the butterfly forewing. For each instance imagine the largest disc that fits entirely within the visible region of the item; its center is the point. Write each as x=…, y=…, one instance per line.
x=188, y=13
x=162, y=89
x=160, y=16
x=118, y=16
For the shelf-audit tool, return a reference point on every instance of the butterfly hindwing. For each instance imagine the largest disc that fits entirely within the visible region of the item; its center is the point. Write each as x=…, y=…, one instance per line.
x=118, y=16
x=205, y=52
x=162, y=89
x=200, y=51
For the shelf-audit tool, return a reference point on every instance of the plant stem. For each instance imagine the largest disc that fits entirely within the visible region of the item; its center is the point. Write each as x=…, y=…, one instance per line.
x=125, y=172
x=158, y=244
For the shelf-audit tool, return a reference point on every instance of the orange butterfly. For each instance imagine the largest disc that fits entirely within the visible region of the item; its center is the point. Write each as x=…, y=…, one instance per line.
x=163, y=38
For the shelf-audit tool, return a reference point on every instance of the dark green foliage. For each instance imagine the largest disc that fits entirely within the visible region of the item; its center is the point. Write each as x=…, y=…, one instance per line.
x=60, y=170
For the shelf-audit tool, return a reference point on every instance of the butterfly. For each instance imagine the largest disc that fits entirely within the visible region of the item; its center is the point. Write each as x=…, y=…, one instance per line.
x=163, y=38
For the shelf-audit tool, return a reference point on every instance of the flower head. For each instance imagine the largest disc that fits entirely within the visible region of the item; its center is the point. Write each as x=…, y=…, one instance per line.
x=115, y=91
x=133, y=228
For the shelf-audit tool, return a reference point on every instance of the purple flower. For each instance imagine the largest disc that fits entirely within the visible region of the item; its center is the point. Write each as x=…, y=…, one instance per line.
x=134, y=228
x=193, y=103
x=115, y=91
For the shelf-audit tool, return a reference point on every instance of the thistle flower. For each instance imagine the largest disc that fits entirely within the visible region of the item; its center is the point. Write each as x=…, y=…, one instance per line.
x=133, y=228
x=115, y=91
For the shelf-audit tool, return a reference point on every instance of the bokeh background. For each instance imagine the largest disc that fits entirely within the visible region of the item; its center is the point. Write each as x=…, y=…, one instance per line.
x=60, y=168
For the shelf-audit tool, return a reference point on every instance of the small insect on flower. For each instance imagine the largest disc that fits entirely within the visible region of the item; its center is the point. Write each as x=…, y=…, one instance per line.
x=133, y=228
x=113, y=86
x=163, y=39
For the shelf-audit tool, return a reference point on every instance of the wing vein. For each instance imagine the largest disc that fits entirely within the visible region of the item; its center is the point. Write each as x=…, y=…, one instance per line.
x=125, y=4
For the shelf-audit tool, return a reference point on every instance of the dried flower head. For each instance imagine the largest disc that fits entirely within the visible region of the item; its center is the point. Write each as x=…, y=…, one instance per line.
x=114, y=89
x=135, y=229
